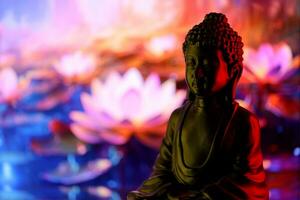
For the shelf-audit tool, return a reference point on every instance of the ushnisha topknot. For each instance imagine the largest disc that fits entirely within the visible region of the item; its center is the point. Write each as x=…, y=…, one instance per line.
x=215, y=32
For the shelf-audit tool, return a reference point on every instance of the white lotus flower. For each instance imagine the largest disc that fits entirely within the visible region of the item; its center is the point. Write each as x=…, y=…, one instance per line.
x=76, y=67
x=11, y=86
x=269, y=63
x=125, y=104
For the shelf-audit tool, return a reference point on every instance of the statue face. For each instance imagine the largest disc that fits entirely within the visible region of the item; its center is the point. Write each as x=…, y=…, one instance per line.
x=206, y=70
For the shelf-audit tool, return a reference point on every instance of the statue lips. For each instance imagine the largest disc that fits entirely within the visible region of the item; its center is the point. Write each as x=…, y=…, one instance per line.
x=201, y=79
x=200, y=73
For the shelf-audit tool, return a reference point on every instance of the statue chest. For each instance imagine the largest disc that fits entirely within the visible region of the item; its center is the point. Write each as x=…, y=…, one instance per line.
x=198, y=137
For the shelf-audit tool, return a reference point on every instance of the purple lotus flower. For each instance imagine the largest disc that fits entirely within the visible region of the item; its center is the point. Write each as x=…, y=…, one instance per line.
x=123, y=105
x=273, y=71
x=269, y=63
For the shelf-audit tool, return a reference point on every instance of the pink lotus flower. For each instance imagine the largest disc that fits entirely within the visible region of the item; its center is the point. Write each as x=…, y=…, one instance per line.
x=76, y=67
x=123, y=105
x=269, y=63
x=11, y=86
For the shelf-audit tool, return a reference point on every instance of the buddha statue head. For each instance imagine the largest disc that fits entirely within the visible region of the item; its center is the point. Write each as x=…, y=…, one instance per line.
x=213, y=55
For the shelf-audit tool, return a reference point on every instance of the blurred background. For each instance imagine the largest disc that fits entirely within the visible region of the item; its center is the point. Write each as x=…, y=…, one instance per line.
x=87, y=87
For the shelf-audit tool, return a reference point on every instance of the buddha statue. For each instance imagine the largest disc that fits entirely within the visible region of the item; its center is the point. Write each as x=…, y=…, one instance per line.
x=211, y=149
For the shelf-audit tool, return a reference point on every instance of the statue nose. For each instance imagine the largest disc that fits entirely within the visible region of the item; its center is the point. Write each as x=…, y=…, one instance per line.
x=199, y=72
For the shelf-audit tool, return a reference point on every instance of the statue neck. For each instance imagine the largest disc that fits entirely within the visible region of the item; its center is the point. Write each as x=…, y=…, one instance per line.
x=213, y=102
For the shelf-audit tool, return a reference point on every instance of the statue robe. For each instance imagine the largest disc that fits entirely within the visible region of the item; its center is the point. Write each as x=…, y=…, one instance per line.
x=232, y=168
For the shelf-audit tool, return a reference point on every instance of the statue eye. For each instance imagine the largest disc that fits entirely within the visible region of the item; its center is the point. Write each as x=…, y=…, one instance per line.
x=190, y=61
x=205, y=62
x=209, y=62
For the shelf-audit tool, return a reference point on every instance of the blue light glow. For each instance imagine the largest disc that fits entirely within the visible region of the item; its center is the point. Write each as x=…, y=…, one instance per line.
x=73, y=163
x=275, y=193
x=112, y=184
x=7, y=173
x=115, y=196
x=73, y=193
x=297, y=151
x=275, y=166
x=1, y=138
x=114, y=155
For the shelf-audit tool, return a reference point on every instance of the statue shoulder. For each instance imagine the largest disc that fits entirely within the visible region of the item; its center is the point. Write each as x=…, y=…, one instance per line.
x=246, y=115
x=247, y=121
x=176, y=115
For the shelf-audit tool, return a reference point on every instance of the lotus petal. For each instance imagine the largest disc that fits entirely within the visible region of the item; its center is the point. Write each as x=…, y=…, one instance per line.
x=89, y=136
x=168, y=91
x=110, y=96
x=131, y=79
x=89, y=104
x=150, y=92
x=283, y=58
x=95, y=113
x=84, y=120
x=131, y=104
x=179, y=96
x=151, y=85
x=114, y=137
x=96, y=89
x=9, y=83
x=65, y=175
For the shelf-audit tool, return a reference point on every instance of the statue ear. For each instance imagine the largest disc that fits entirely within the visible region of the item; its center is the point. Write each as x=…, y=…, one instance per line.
x=234, y=77
x=234, y=72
